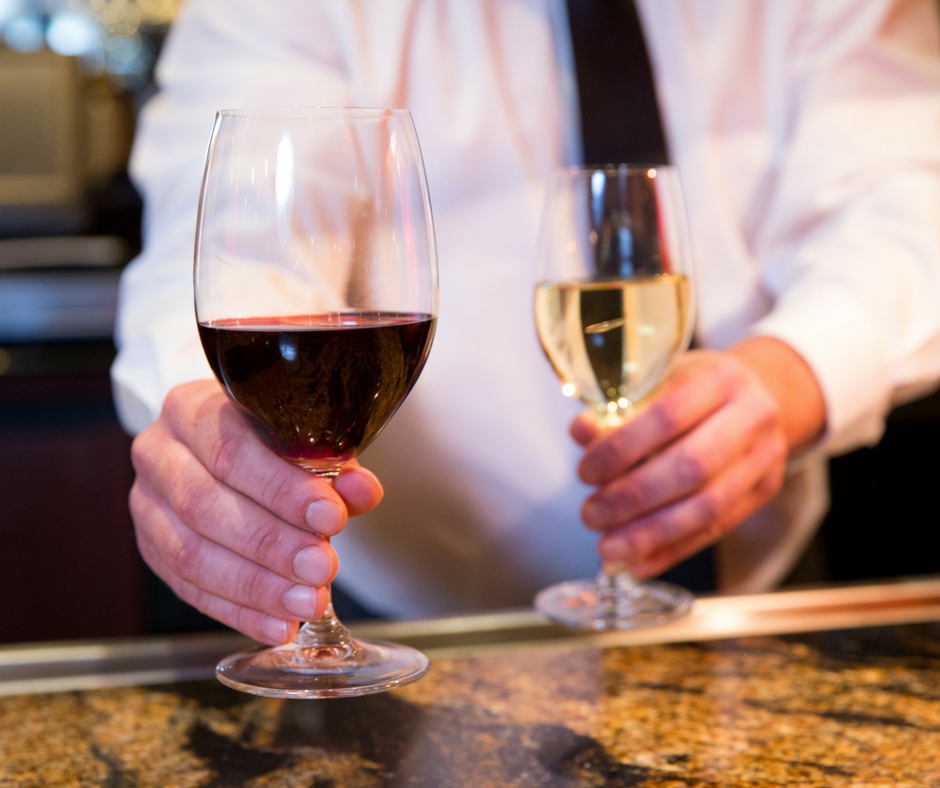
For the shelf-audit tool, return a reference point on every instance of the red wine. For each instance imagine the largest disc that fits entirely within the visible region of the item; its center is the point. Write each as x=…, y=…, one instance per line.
x=319, y=387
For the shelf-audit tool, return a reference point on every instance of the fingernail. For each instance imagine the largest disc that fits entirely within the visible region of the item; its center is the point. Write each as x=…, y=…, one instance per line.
x=325, y=517
x=274, y=630
x=596, y=514
x=618, y=549
x=367, y=474
x=301, y=601
x=313, y=565
x=371, y=475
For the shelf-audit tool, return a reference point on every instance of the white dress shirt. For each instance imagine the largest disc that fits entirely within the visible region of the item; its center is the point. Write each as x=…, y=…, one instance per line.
x=807, y=140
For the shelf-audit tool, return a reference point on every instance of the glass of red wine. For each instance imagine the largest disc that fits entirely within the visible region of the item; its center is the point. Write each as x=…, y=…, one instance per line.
x=316, y=300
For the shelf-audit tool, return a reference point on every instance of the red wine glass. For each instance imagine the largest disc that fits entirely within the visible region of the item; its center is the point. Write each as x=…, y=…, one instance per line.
x=613, y=310
x=316, y=301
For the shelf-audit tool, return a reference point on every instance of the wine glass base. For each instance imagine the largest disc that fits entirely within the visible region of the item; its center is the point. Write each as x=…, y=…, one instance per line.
x=579, y=603
x=361, y=667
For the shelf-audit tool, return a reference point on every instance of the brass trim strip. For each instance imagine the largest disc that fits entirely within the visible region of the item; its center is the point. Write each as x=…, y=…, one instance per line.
x=66, y=666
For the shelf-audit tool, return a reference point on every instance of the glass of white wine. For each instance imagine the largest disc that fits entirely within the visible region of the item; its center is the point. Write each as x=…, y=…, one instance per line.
x=613, y=310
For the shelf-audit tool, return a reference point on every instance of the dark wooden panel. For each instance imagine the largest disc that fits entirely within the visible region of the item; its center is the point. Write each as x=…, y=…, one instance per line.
x=69, y=567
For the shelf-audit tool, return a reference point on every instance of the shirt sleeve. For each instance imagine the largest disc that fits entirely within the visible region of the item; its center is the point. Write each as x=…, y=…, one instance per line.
x=849, y=247
x=220, y=54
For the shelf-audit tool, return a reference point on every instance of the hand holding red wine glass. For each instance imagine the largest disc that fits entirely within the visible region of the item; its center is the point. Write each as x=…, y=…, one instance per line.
x=316, y=300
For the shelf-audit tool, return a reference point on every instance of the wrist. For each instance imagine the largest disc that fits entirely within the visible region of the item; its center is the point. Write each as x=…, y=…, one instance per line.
x=791, y=382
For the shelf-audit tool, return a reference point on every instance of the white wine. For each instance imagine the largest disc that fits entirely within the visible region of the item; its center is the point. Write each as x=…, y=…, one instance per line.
x=612, y=342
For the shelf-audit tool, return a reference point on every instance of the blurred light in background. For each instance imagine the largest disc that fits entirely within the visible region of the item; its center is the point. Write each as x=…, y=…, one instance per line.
x=127, y=57
x=119, y=37
x=24, y=33
x=73, y=33
x=9, y=9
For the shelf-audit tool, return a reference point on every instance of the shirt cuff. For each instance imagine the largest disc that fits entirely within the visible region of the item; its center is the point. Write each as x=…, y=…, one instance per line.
x=837, y=337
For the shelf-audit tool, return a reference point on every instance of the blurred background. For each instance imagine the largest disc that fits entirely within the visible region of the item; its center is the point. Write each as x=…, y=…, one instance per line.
x=73, y=77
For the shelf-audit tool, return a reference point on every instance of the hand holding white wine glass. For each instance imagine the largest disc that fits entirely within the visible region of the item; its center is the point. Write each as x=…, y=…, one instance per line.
x=614, y=311
x=316, y=299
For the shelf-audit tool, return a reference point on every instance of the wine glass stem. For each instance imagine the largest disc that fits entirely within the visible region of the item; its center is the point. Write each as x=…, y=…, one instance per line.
x=326, y=632
x=616, y=570
x=610, y=420
x=615, y=585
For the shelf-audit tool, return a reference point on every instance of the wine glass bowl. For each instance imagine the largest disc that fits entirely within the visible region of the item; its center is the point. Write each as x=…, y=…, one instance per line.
x=316, y=303
x=319, y=388
x=613, y=311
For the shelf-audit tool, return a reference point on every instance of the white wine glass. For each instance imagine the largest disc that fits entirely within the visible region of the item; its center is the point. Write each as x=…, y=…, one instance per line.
x=613, y=311
x=316, y=300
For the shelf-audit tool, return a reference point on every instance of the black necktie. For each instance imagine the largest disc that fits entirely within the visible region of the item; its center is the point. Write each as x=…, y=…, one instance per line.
x=620, y=120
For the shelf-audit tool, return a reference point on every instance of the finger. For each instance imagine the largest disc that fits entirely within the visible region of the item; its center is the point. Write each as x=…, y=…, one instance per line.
x=359, y=488
x=682, y=467
x=701, y=518
x=585, y=428
x=589, y=425
x=690, y=395
x=230, y=519
x=253, y=623
x=672, y=554
x=174, y=551
x=223, y=441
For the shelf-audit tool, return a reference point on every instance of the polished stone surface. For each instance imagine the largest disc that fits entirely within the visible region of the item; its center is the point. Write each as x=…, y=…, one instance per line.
x=850, y=708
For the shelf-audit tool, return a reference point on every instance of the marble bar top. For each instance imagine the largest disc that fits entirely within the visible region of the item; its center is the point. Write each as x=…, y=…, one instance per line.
x=744, y=702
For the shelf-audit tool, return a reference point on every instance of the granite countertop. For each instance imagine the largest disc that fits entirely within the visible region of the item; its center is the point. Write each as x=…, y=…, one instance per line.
x=847, y=707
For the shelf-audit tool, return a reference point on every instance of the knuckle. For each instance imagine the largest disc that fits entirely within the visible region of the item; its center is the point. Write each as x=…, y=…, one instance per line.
x=148, y=553
x=184, y=557
x=276, y=487
x=688, y=369
x=590, y=520
x=665, y=417
x=766, y=411
x=203, y=601
x=251, y=588
x=714, y=530
x=141, y=511
x=156, y=540
x=224, y=454
x=669, y=530
x=613, y=453
x=136, y=503
x=142, y=450
x=192, y=498
x=731, y=371
x=632, y=541
x=175, y=405
x=625, y=498
x=641, y=543
x=265, y=544
x=671, y=554
x=692, y=469
x=781, y=467
x=712, y=504
x=720, y=375
x=245, y=620
x=770, y=485
x=774, y=459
